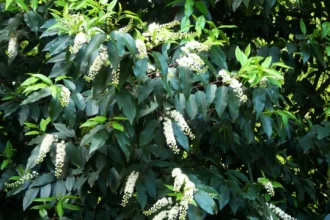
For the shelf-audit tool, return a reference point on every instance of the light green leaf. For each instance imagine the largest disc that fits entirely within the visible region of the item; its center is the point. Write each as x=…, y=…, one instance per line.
x=70, y=207
x=44, y=123
x=117, y=126
x=240, y=56
x=302, y=26
x=188, y=7
x=8, y=3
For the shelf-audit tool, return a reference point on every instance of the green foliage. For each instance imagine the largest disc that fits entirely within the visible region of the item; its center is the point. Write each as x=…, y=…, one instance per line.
x=220, y=107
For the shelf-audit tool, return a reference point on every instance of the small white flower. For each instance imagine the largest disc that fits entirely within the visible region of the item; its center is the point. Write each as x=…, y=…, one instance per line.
x=279, y=212
x=176, y=116
x=161, y=215
x=45, y=147
x=176, y=172
x=99, y=61
x=169, y=135
x=195, y=47
x=269, y=187
x=65, y=97
x=153, y=26
x=141, y=48
x=173, y=212
x=12, y=47
x=161, y=203
x=79, y=40
x=233, y=83
x=181, y=180
x=60, y=157
x=128, y=27
x=129, y=187
x=115, y=77
x=192, y=61
x=24, y=178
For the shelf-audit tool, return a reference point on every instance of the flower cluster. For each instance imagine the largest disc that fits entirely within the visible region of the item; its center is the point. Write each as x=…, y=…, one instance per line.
x=60, y=157
x=115, y=76
x=192, y=61
x=12, y=47
x=194, y=46
x=99, y=61
x=24, y=178
x=45, y=147
x=157, y=34
x=161, y=203
x=128, y=27
x=234, y=83
x=141, y=48
x=169, y=135
x=79, y=40
x=182, y=180
x=279, y=212
x=168, y=129
x=161, y=215
x=65, y=97
x=173, y=212
x=269, y=187
x=129, y=187
x=176, y=116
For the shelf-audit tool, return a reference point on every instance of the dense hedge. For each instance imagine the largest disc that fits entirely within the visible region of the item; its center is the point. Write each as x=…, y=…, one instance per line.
x=164, y=109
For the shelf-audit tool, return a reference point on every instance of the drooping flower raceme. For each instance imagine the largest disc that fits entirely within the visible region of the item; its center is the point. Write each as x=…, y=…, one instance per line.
x=182, y=180
x=269, y=187
x=141, y=48
x=158, y=34
x=129, y=187
x=193, y=62
x=279, y=212
x=12, y=47
x=161, y=203
x=65, y=97
x=173, y=212
x=79, y=40
x=115, y=76
x=24, y=178
x=128, y=27
x=99, y=61
x=169, y=135
x=45, y=147
x=234, y=83
x=160, y=216
x=60, y=157
x=176, y=116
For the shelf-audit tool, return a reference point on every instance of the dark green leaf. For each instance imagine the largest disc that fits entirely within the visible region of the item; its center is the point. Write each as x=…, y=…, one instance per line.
x=43, y=180
x=192, y=107
x=205, y=202
x=29, y=196
x=42, y=93
x=221, y=99
x=98, y=140
x=126, y=103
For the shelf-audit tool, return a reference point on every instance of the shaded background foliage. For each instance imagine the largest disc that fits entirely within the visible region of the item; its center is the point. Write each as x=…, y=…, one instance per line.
x=282, y=134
